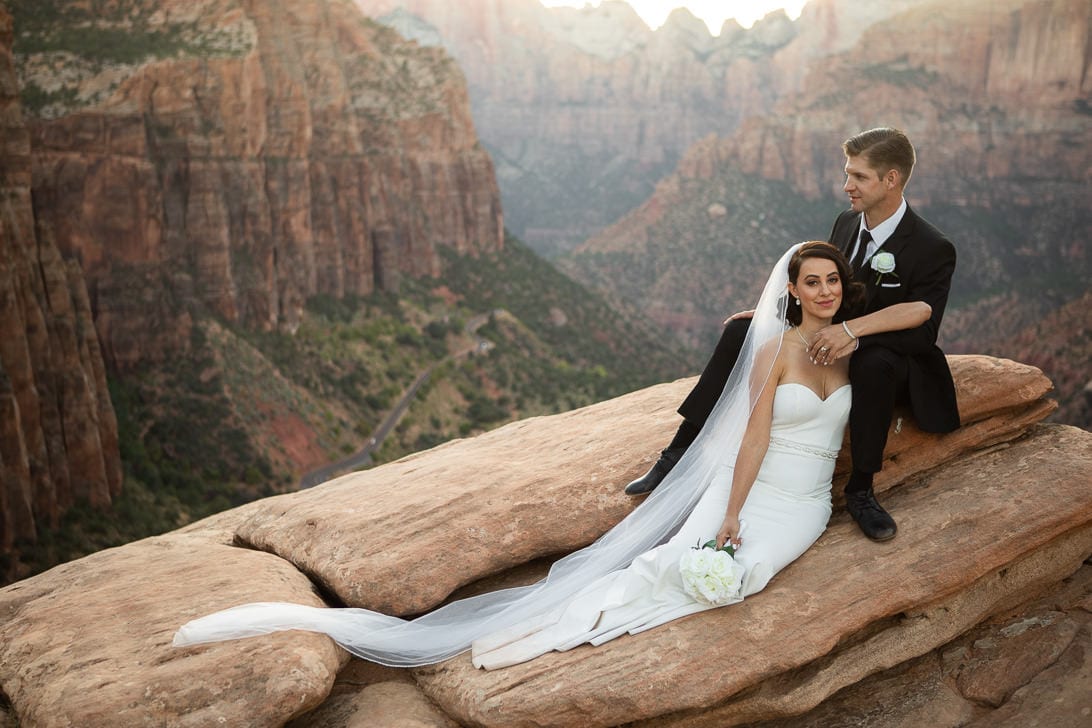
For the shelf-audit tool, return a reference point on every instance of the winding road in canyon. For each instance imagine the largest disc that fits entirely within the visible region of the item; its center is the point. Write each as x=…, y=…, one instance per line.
x=363, y=457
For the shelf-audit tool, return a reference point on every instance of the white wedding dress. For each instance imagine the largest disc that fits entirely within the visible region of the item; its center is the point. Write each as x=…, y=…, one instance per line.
x=627, y=580
x=786, y=510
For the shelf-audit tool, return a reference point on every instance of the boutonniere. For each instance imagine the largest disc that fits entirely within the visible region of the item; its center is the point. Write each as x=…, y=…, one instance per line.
x=883, y=263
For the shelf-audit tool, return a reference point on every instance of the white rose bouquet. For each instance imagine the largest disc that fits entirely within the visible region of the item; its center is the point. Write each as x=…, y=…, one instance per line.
x=883, y=263
x=710, y=575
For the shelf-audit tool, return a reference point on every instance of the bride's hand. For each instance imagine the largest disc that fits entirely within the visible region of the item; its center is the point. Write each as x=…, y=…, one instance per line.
x=729, y=532
x=830, y=344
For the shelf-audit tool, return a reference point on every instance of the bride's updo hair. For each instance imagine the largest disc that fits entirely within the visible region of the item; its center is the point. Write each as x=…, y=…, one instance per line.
x=852, y=291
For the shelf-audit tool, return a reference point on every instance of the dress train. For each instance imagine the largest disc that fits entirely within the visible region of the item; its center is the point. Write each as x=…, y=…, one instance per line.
x=786, y=510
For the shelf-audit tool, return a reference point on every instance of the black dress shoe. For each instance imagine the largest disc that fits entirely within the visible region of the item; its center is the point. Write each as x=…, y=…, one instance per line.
x=876, y=523
x=655, y=475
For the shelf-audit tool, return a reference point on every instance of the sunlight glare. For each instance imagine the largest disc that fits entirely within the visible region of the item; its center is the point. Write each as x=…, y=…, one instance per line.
x=713, y=12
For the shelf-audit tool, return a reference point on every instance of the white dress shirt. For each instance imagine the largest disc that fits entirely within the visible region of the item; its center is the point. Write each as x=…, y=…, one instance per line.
x=879, y=234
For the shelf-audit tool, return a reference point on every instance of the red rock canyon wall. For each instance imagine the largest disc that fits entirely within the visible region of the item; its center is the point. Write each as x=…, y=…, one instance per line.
x=323, y=154
x=58, y=434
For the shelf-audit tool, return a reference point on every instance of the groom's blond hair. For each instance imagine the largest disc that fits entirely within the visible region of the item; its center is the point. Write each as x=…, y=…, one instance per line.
x=883, y=148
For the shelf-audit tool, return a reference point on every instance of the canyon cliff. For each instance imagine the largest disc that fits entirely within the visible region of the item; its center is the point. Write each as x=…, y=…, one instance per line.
x=58, y=434
x=284, y=245
x=174, y=176
x=270, y=152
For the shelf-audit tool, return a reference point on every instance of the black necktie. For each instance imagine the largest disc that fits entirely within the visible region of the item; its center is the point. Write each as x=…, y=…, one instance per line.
x=859, y=256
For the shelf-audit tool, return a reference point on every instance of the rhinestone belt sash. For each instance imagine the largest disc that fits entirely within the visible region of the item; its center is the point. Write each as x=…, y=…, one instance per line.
x=819, y=452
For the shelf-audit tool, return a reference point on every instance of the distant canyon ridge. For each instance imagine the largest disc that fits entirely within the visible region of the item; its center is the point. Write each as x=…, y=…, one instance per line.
x=584, y=110
x=667, y=168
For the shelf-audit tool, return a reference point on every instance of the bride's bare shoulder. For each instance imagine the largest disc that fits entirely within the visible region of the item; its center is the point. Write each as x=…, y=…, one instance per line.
x=770, y=359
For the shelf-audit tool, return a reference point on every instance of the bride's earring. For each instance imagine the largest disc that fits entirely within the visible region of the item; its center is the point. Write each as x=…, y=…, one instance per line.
x=798, y=302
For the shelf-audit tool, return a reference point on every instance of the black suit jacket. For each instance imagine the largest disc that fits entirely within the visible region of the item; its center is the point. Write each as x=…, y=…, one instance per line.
x=924, y=262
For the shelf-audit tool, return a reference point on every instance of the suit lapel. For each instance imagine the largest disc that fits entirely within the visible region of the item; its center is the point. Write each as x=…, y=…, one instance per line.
x=902, y=234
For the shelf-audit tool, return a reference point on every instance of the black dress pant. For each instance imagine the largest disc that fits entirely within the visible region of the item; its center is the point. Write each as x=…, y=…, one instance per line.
x=700, y=402
x=879, y=378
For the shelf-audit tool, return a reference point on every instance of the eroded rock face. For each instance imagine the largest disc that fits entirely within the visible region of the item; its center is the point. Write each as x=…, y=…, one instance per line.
x=997, y=522
x=367, y=695
x=845, y=609
x=89, y=643
x=998, y=400
x=1048, y=687
x=977, y=52
x=58, y=433
x=319, y=154
x=552, y=484
x=383, y=704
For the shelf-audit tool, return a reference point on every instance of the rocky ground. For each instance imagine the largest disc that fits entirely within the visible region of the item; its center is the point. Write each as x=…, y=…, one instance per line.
x=978, y=611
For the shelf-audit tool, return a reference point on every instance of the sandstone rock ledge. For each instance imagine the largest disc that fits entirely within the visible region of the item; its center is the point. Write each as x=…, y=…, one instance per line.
x=995, y=523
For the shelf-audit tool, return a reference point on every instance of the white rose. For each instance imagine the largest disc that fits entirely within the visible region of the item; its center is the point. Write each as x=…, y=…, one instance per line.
x=695, y=563
x=883, y=262
x=710, y=577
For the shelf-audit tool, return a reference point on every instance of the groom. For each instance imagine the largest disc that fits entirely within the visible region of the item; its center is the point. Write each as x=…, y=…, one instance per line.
x=900, y=258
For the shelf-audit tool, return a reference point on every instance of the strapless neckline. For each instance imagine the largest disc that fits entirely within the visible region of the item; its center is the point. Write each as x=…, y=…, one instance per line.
x=814, y=393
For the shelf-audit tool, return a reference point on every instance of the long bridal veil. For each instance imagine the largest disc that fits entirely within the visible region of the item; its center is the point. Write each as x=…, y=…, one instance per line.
x=450, y=629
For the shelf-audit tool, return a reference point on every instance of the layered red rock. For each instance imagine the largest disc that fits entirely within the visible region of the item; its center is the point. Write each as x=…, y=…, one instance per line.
x=1038, y=656
x=58, y=433
x=123, y=670
x=1021, y=61
x=979, y=57
x=324, y=155
x=845, y=609
x=1000, y=524
x=998, y=400
x=504, y=515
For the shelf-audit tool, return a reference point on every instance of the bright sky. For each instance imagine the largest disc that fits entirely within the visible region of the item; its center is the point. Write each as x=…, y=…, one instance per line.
x=713, y=12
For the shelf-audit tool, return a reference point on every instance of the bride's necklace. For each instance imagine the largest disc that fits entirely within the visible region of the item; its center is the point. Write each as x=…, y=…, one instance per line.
x=807, y=344
x=825, y=388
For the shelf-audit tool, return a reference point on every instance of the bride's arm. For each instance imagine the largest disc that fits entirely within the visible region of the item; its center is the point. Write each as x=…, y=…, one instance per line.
x=756, y=440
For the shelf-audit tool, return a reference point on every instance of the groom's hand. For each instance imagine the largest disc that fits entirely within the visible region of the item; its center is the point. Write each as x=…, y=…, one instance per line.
x=830, y=344
x=740, y=315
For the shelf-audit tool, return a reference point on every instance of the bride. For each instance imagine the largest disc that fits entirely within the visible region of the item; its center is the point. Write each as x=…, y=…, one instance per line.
x=759, y=478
